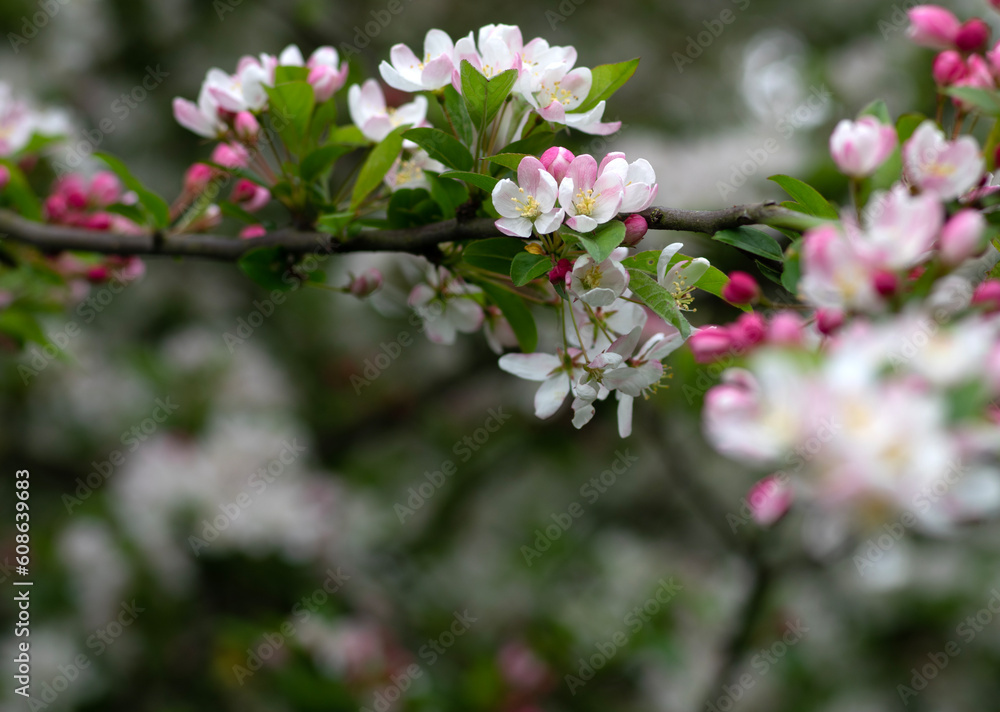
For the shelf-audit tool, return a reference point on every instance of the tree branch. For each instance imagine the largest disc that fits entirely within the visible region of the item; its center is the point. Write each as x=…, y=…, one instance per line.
x=55, y=238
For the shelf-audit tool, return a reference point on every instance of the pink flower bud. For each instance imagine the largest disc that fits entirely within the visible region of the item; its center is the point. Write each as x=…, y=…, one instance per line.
x=364, y=284
x=933, y=26
x=886, y=283
x=786, y=329
x=962, y=236
x=988, y=295
x=73, y=189
x=198, y=177
x=230, y=155
x=250, y=196
x=97, y=221
x=829, y=320
x=252, y=231
x=949, y=67
x=561, y=272
x=710, y=343
x=56, y=208
x=972, y=36
x=978, y=74
x=326, y=81
x=769, y=499
x=860, y=147
x=741, y=288
x=246, y=126
x=98, y=273
x=105, y=189
x=556, y=161
x=635, y=229
x=748, y=331
x=4, y=176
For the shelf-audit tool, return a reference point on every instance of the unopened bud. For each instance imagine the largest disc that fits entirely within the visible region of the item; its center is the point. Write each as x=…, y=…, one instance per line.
x=252, y=231
x=366, y=283
x=962, y=237
x=635, y=229
x=987, y=294
x=829, y=320
x=710, y=343
x=886, y=283
x=560, y=273
x=949, y=67
x=556, y=161
x=246, y=126
x=198, y=177
x=741, y=288
x=230, y=155
x=972, y=36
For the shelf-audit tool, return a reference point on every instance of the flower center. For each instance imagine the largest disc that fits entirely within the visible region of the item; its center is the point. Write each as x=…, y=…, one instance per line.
x=529, y=207
x=408, y=172
x=557, y=93
x=592, y=277
x=584, y=202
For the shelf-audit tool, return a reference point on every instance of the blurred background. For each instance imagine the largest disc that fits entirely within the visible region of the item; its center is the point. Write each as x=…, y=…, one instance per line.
x=332, y=513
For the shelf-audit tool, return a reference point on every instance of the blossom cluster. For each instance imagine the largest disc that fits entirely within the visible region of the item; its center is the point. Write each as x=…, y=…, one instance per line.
x=20, y=121
x=547, y=83
x=560, y=187
x=964, y=60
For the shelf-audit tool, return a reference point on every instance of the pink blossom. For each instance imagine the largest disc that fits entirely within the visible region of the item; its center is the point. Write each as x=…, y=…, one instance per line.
x=246, y=126
x=197, y=177
x=589, y=197
x=962, y=237
x=769, y=499
x=557, y=161
x=934, y=164
x=741, y=288
x=972, y=36
x=711, y=343
x=638, y=179
x=829, y=320
x=949, y=67
x=933, y=26
x=231, y=155
x=250, y=196
x=786, y=328
x=987, y=295
x=252, y=231
x=327, y=73
x=528, y=204
x=105, y=189
x=431, y=71
x=365, y=283
x=369, y=112
x=860, y=147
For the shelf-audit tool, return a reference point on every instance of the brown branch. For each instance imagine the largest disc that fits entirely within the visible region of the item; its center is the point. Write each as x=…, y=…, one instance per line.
x=55, y=238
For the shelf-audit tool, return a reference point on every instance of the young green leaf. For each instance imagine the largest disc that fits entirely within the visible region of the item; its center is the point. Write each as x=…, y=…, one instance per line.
x=484, y=97
x=983, y=100
x=751, y=240
x=606, y=80
x=321, y=160
x=527, y=266
x=517, y=313
x=442, y=147
x=605, y=239
x=807, y=196
x=494, y=254
x=377, y=164
x=457, y=112
x=267, y=266
x=293, y=103
x=658, y=299
x=508, y=160
x=487, y=183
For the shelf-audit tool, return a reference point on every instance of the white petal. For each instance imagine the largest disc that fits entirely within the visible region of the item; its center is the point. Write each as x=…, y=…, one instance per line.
x=551, y=395
x=532, y=367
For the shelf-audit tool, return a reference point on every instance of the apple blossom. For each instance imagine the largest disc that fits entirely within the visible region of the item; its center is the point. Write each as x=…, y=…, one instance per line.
x=556, y=372
x=949, y=67
x=711, y=343
x=933, y=26
x=250, y=196
x=635, y=229
x=769, y=500
x=365, y=283
x=370, y=114
x=987, y=295
x=934, y=164
x=20, y=120
x=599, y=285
x=407, y=171
x=640, y=374
x=638, y=179
x=246, y=126
x=497, y=50
x=590, y=198
x=427, y=73
x=528, y=204
x=444, y=305
x=243, y=91
x=962, y=236
x=557, y=161
x=325, y=76
x=829, y=321
x=197, y=177
x=860, y=147
x=231, y=155
x=679, y=279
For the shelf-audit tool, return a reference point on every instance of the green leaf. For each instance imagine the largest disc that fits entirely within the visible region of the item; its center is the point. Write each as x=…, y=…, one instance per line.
x=20, y=195
x=154, y=204
x=231, y=210
x=333, y=223
x=412, y=207
x=23, y=327
x=267, y=267
x=769, y=272
x=792, y=271
x=879, y=110
x=907, y=124
x=454, y=105
x=807, y=196
x=983, y=100
x=508, y=160
x=605, y=239
x=658, y=299
x=494, y=254
x=527, y=266
x=348, y=136
x=449, y=194
x=442, y=147
x=751, y=240
x=292, y=106
x=319, y=161
x=484, y=97
x=517, y=313
x=324, y=121
x=487, y=183
x=712, y=281
x=533, y=145
x=606, y=80
x=377, y=164
x=283, y=74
